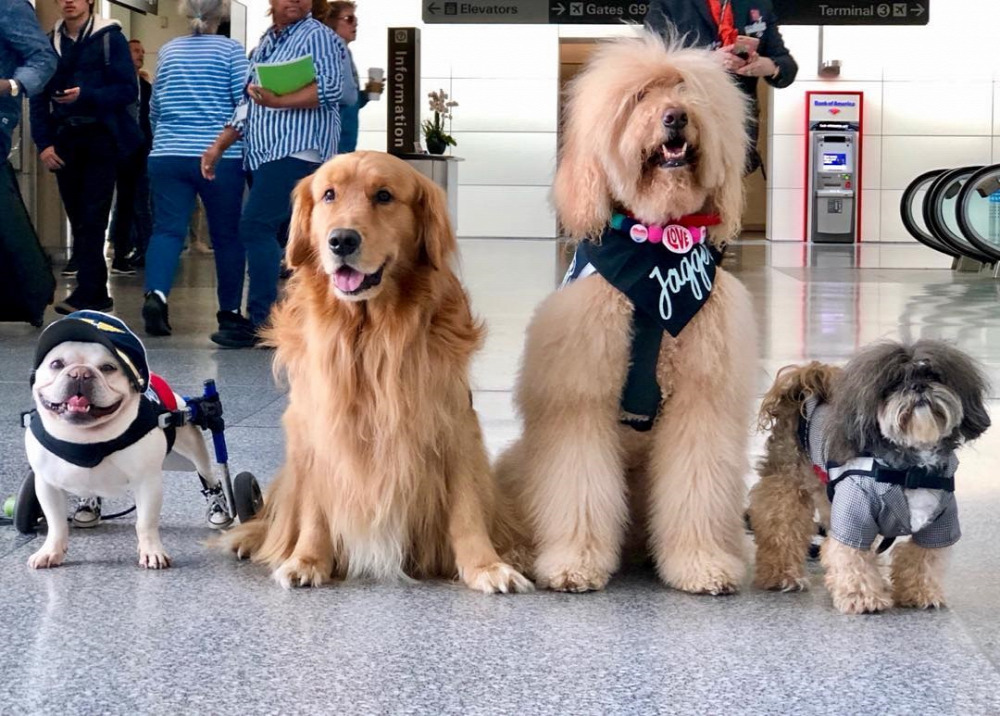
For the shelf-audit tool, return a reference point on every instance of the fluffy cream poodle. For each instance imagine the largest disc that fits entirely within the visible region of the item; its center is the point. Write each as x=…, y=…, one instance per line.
x=653, y=138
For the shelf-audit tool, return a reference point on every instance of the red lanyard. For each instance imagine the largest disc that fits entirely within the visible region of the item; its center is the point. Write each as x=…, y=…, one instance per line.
x=722, y=12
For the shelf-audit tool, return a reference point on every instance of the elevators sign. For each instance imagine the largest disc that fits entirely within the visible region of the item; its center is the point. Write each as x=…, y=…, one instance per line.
x=834, y=107
x=403, y=107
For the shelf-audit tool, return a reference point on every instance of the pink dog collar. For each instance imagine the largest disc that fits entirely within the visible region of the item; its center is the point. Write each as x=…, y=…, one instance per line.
x=678, y=236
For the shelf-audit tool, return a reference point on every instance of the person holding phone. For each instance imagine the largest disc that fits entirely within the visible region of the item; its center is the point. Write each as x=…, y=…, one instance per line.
x=83, y=127
x=746, y=36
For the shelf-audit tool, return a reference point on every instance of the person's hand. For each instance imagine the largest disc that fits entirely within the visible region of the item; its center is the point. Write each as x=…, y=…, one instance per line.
x=374, y=86
x=729, y=59
x=69, y=96
x=758, y=66
x=264, y=97
x=52, y=161
x=4, y=88
x=209, y=158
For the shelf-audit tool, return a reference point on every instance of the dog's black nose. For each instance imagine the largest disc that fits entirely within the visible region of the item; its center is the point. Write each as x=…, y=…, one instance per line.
x=675, y=119
x=344, y=242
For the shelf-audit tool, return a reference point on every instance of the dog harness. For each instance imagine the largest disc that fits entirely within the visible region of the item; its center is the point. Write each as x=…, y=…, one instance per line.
x=868, y=497
x=157, y=408
x=667, y=272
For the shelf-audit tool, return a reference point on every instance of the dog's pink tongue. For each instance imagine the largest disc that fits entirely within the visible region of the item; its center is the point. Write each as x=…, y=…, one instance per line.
x=78, y=404
x=348, y=279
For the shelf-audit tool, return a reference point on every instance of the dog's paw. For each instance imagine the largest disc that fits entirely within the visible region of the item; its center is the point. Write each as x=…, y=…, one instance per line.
x=777, y=582
x=301, y=572
x=497, y=577
x=47, y=557
x=575, y=579
x=707, y=577
x=920, y=599
x=153, y=557
x=866, y=602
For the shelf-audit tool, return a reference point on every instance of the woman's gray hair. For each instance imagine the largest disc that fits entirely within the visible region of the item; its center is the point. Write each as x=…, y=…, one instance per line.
x=204, y=16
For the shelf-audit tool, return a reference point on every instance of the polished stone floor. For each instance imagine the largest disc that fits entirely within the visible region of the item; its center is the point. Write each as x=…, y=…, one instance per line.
x=99, y=635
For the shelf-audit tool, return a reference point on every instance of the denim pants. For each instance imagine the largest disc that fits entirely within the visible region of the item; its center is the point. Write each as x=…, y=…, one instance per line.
x=268, y=207
x=175, y=182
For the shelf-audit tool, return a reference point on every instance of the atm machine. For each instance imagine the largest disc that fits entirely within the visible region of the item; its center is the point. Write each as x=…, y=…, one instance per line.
x=833, y=167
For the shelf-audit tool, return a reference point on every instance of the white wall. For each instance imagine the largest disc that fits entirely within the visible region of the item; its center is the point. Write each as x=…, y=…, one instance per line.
x=930, y=93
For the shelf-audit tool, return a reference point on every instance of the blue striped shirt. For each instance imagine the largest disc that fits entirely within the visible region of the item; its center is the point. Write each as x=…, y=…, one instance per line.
x=199, y=82
x=272, y=134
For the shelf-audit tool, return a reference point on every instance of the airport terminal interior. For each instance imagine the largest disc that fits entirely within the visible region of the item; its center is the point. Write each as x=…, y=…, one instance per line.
x=879, y=220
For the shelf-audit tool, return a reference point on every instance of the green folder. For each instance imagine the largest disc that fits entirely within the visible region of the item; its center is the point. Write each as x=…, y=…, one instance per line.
x=284, y=77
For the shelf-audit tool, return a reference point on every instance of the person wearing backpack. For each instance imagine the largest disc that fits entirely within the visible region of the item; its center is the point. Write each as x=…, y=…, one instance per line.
x=84, y=129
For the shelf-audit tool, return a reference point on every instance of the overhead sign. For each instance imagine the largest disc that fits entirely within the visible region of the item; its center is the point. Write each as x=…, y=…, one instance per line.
x=852, y=12
x=614, y=12
x=146, y=7
x=403, y=107
x=534, y=12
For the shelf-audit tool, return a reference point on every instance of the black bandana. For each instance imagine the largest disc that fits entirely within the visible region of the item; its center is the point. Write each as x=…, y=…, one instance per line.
x=91, y=454
x=667, y=290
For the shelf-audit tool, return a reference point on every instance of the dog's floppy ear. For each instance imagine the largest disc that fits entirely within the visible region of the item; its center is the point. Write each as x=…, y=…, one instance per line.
x=300, y=248
x=437, y=239
x=965, y=377
x=580, y=191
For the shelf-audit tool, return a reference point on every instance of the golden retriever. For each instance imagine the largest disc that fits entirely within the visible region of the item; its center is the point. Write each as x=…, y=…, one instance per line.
x=386, y=474
x=657, y=133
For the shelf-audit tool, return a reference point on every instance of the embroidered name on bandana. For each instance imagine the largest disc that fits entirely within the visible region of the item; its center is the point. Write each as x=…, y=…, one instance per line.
x=669, y=281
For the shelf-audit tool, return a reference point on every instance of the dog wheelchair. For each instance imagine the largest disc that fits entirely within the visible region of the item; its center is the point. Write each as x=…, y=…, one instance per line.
x=241, y=497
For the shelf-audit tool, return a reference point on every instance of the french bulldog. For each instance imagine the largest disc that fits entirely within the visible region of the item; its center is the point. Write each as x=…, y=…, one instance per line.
x=95, y=433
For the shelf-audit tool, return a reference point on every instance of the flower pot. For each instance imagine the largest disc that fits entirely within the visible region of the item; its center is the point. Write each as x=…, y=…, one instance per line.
x=436, y=145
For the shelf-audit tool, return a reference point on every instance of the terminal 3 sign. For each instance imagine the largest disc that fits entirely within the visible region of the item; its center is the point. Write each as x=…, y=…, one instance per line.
x=613, y=12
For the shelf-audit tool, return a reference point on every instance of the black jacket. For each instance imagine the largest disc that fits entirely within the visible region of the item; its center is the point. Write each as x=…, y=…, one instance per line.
x=697, y=28
x=101, y=66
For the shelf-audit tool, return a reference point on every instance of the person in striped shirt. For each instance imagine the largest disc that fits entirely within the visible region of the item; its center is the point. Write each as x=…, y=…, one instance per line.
x=199, y=82
x=286, y=138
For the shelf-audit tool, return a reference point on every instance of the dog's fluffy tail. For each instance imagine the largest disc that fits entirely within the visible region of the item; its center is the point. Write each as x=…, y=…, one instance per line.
x=244, y=540
x=792, y=387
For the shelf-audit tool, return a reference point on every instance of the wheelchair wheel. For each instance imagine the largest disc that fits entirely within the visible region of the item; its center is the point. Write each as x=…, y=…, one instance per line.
x=27, y=510
x=247, y=496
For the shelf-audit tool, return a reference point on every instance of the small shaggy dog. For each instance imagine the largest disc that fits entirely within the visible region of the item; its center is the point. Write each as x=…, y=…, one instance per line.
x=386, y=474
x=636, y=385
x=879, y=437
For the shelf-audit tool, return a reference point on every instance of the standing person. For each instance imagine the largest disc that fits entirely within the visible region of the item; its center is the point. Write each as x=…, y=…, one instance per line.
x=26, y=64
x=199, y=82
x=82, y=128
x=723, y=26
x=342, y=19
x=287, y=137
x=130, y=224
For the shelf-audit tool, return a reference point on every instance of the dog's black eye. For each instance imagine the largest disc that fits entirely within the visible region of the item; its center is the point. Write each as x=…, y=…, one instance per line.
x=383, y=196
x=329, y=195
x=57, y=364
x=109, y=368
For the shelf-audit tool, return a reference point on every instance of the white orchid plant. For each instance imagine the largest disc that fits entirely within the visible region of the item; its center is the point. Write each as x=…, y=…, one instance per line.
x=442, y=107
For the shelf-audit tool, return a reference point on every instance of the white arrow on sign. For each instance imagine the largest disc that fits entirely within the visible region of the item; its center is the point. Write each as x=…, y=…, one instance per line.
x=559, y=9
x=919, y=9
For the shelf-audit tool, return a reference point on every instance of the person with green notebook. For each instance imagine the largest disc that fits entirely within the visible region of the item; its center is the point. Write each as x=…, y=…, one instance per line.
x=289, y=121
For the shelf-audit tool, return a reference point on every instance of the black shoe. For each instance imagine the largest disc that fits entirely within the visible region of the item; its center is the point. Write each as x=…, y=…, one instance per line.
x=156, y=316
x=70, y=270
x=72, y=304
x=122, y=268
x=235, y=331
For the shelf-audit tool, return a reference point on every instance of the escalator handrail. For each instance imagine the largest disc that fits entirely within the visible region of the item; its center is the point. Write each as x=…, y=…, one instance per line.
x=911, y=226
x=968, y=231
x=934, y=216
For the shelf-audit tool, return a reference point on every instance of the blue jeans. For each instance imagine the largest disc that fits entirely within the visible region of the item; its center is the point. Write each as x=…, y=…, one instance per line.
x=268, y=208
x=175, y=181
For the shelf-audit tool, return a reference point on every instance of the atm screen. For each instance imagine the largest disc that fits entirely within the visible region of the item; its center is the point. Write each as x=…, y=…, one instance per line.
x=833, y=161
